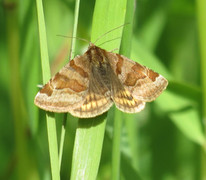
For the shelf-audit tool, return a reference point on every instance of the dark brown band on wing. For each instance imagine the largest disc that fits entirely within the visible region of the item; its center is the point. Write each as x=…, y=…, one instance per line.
x=61, y=82
x=137, y=74
x=78, y=69
x=152, y=75
x=119, y=64
x=138, y=68
x=143, y=70
x=131, y=79
x=47, y=89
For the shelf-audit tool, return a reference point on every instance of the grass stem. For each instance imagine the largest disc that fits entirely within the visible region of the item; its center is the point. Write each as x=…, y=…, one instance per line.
x=51, y=123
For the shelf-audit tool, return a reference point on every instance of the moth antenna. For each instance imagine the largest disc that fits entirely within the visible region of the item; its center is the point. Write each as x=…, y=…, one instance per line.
x=82, y=39
x=109, y=41
x=114, y=49
x=110, y=31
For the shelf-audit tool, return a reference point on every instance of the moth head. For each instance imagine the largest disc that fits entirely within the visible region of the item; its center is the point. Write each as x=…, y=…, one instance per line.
x=91, y=44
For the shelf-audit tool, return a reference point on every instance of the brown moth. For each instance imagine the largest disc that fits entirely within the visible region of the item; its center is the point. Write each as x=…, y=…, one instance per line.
x=89, y=85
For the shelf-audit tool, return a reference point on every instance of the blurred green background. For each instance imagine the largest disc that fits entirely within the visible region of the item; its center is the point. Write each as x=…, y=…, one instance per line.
x=166, y=141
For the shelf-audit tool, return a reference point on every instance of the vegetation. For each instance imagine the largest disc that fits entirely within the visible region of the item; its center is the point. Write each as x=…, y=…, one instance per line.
x=165, y=141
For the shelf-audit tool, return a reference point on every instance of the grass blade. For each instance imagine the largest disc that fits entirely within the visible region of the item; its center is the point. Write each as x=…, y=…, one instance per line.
x=87, y=148
x=201, y=15
x=72, y=50
x=90, y=132
x=118, y=120
x=51, y=124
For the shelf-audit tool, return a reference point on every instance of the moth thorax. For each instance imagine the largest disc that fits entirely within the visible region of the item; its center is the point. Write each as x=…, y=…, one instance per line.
x=98, y=60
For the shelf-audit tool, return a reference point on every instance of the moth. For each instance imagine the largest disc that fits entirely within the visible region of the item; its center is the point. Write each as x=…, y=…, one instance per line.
x=89, y=85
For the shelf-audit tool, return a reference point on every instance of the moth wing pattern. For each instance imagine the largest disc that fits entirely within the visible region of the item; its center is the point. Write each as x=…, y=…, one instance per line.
x=125, y=102
x=67, y=89
x=143, y=83
x=98, y=99
x=89, y=84
x=122, y=98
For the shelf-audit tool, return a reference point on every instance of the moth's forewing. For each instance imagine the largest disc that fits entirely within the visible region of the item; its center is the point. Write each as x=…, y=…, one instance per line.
x=67, y=89
x=143, y=83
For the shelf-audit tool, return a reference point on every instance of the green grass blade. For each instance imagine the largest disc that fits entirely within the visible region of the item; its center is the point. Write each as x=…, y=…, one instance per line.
x=118, y=118
x=130, y=123
x=128, y=29
x=201, y=4
x=87, y=148
x=51, y=124
x=116, y=145
x=61, y=144
x=74, y=34
x=90, y=132
x=106, y=17
x=72, y=50
x=43, y=43
x=118, y=7
x=201, y=15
